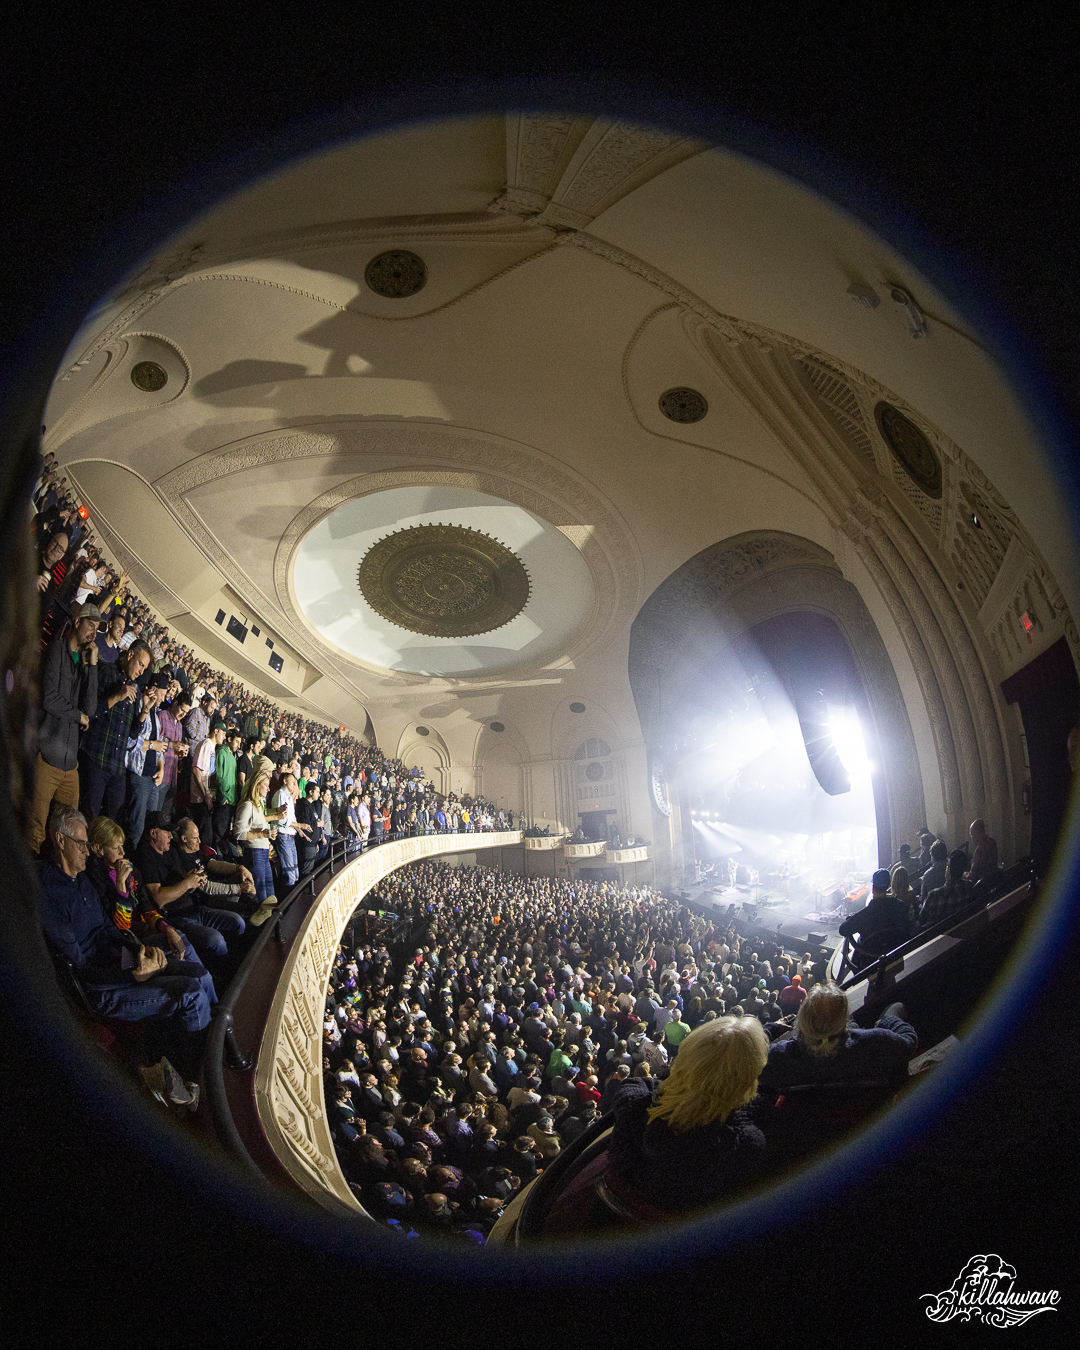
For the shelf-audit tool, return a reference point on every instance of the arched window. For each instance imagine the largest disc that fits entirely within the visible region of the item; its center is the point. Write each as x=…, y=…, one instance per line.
x=594, y=771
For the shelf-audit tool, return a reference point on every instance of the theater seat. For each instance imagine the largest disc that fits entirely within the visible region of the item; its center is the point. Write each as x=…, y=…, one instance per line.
x=814, y=1115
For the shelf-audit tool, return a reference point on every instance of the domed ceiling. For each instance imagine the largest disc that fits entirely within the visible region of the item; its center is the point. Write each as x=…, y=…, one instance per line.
x=441, y=581
x=435, y=412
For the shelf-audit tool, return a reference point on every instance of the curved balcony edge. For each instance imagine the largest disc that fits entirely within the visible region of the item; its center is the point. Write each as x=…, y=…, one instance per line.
x=289, y=1095
x=620, y=856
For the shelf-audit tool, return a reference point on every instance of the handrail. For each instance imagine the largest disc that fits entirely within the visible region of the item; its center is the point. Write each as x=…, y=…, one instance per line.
x=1012, y=879
x=534, y=1210
x=289, y=1098
x=221, y=1043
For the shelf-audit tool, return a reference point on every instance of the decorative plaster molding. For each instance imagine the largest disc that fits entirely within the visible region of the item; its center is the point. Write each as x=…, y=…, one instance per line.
x=934, y=703
x=426, y=455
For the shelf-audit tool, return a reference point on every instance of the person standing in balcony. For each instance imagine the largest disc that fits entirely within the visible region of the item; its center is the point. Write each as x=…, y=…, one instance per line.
x=69, y=680
x=289, y=829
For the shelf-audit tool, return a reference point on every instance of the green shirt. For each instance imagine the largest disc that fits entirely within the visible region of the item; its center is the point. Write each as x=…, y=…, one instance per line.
x=558, y=1063
x=225, y=774
x=674, y=1032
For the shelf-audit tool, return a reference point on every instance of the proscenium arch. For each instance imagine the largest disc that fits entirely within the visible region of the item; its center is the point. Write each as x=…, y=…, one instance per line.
x=738, y=583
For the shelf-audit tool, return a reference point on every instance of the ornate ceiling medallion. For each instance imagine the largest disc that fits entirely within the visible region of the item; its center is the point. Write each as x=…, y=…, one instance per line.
x=911, y=448
x=397, y=274
x=683, y=405
x=149, y=377
x=443, y=581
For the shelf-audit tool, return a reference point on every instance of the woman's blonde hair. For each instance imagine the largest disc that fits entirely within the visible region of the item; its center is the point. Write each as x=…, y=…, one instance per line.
x=103, y=833
x=260, y=770
x=715, y=1071
x=899, y=881
x=822, y=1019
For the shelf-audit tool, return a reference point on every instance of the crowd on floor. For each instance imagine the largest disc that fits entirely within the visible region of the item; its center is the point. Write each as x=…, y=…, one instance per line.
x=174, y=807
x=531, y=1005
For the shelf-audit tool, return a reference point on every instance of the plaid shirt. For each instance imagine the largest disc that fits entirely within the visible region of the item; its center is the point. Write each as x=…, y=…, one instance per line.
x=170, y=731
x=944, y=901
x=105, y=743
x=135, y=758
x=196, y=726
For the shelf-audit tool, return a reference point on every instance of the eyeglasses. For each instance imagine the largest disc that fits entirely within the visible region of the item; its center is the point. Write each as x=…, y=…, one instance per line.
x=84, y=844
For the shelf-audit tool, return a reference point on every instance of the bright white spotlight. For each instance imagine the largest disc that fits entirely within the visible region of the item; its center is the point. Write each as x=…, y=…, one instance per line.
x=848, y=739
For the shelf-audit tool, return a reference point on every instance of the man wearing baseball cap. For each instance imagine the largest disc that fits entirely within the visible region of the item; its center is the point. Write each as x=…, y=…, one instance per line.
x=69, y=676
x=883, y=923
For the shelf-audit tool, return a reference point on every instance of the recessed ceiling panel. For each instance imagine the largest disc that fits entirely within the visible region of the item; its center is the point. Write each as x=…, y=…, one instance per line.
x=550, y=607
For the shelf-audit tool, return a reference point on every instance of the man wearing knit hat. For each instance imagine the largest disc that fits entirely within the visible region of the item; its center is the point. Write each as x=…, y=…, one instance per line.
x=792, y=996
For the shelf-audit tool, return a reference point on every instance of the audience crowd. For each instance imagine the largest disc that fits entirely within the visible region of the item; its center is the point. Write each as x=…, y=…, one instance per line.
x=196, y=801
x=524, y=1009
x=174, y=806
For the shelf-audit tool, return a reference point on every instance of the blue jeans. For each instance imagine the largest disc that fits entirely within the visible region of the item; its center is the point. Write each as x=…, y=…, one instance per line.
x=188, y=966
x=142, y=795
x=165, y=996
x=286, y=846
x=206, y=929
x=100, y=790
x=257, y=862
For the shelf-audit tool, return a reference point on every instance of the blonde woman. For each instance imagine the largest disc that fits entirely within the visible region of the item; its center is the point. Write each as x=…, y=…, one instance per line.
x=689, y=1142
x=829, y=1050
x=254, y=832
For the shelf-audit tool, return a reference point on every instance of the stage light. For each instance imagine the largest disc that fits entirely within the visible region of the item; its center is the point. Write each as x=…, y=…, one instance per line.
x=83, y=512
x=848, y=738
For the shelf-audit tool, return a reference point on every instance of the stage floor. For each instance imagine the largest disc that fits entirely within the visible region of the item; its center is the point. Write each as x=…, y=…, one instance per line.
x=793, y=916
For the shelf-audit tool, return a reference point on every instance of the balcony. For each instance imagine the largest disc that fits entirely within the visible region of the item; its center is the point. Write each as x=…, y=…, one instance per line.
x=619, y=856
x=288, y=1085
x=593, y=848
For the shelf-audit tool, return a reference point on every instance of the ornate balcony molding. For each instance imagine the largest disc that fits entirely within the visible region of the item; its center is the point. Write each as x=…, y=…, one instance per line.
x=626, y=855
x=288, y=1074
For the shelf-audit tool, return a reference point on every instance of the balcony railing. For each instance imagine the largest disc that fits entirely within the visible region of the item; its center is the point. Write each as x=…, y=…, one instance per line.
x=288, y=1069
x=593, y=848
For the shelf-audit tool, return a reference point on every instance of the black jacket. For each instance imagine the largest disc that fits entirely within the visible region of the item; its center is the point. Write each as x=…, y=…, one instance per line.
x=67, y=690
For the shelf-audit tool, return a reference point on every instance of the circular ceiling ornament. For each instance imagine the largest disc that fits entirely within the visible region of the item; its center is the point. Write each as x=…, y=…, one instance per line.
x=496, y=726
x=396, y=274
x=443, y=581
x=683, y=405
x=423, y=731
x=577, y=707
x=911, y=448
x=149, y=376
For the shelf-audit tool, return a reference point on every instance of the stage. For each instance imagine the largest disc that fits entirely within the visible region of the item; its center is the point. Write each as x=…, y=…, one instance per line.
x=788, y=919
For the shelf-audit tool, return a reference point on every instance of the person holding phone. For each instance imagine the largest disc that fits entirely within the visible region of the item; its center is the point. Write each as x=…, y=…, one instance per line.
x=104, y=746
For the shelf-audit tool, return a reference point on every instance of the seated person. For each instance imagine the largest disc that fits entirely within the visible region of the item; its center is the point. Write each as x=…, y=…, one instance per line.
x=827, y=1050
x=127, y=901
x=688, y=1142
x=224, y=880
x=122, y=977
x=984, y=857
x=171, y=882
x=901, y=887
x=933, y=874
x=883, y=923
x=953, y=895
